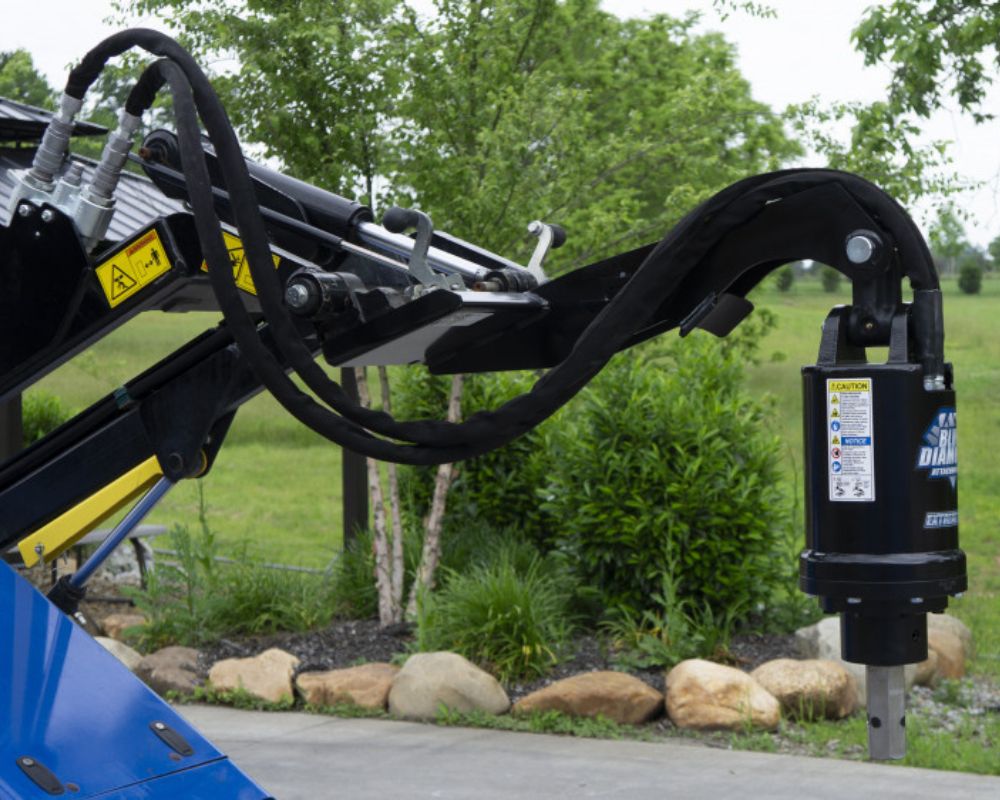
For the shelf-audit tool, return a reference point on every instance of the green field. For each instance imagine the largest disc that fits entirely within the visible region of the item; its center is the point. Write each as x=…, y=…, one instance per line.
x=276, y=485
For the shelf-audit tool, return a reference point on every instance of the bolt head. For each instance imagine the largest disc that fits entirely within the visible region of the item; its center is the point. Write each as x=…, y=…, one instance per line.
x=860, y=249
x=297, y=296
x=28, y=762
x=24, y=210
x=159, y=726
x=48, y=215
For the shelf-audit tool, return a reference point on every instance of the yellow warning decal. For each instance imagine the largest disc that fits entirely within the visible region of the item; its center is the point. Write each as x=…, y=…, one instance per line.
x=238, y=258
x=857, y=385
x=129, y=270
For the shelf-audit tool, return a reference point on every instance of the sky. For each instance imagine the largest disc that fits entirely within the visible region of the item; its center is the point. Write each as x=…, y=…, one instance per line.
x=805, y=51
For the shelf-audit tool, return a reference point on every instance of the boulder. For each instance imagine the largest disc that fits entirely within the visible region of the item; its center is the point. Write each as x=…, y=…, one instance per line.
x=366, y=686
x=927, y=670
x=430, y=680
x=706, y=696
x=619, y=697
x=950, y=652
x=811, y=689
x=129, y=657
x=267, y=676
x=172, y=669
x=822, y=641
x=954, y=625
x=115, y=625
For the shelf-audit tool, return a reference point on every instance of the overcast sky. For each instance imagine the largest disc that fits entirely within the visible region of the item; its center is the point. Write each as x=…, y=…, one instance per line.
x=805, y=51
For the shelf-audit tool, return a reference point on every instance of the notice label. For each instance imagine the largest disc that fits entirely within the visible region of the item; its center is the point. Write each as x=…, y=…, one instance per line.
x=850, y=440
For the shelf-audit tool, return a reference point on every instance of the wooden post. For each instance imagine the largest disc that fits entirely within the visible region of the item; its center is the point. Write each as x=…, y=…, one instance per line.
x=11, y=428
x=354, y=474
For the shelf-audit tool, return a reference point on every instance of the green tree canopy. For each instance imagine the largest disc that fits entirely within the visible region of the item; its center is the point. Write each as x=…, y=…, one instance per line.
x=21, y=81
x=947, y=239
x=488, y=115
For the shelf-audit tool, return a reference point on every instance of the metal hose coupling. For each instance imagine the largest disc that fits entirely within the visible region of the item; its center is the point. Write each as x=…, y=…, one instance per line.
x=97, y=201
x=55, y=144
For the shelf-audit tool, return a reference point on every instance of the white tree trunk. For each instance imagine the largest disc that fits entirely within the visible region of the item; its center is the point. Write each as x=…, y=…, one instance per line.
x=389, y=613
x=431, y=554
x=398, y=567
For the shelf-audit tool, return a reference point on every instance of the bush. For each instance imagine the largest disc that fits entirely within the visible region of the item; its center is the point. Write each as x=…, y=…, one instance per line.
x=509, y=616
x=666, y=467
x=195, y=599
x=41, y=413
x=830, y=278
x=784, y=278
x=500, y=487
x=970, y=278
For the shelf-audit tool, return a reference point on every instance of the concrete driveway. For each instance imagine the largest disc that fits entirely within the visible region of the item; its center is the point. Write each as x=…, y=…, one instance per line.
x=306, y=757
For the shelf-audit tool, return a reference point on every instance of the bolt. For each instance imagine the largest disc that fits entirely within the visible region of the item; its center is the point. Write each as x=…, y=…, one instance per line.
x=159, y=726
x=860, y=249
x=535, y=227
x=297, y=296
x=869, y=325
x=175, y=463
x=47, y=215
x=853, y=601
x=24, y=210
x=28, y=762
x=916, y=600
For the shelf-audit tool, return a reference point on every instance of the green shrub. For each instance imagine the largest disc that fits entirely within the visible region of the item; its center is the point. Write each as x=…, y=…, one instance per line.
x=41, y=413
x=784, y=278
x=666, y=467
x=194, y=599
x=970, y=278
x=511, y=618
x=830, y=278
x=671, y=633
x=500, y=487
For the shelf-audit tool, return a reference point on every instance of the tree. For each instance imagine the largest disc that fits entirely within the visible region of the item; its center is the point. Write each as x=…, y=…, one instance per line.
x=935, y=49
x=993, y=249
x=21, y=81
x=947, y=239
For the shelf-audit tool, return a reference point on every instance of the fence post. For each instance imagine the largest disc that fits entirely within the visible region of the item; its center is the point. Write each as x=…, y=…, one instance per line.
x=354, y=474
x=11, y=427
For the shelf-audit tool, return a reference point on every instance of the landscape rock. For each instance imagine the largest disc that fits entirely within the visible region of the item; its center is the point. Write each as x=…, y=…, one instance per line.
x=115, y=625
x=822, y=641
x=430, y=680
x=172, y=669
x=954, y=625
x=620, y=697
x=129, y=657
x=366, y=685
x=950, y=653
x=811, y=689
x=706, y=696
x=927, y=670
x=267, y=676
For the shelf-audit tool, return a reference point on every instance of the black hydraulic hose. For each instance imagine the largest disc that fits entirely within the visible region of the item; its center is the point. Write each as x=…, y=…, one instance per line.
x=438, y=442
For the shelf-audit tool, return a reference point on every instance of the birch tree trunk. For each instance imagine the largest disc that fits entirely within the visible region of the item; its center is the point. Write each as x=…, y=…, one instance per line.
x=389, y=612
x=431, y=554
x=398, y=567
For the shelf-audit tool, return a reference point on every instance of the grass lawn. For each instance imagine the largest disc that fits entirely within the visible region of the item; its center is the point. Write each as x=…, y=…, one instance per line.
x=971, y=346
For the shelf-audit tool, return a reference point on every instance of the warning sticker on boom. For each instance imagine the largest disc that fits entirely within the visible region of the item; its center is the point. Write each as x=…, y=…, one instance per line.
x=850, y=440
x=138, y=265
x=238, y=258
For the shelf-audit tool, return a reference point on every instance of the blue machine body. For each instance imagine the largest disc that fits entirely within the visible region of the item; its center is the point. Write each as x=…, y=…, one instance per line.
x=72, y=707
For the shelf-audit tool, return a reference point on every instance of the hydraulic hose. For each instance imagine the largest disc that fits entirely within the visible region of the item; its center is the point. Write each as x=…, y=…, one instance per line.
x=434, y=442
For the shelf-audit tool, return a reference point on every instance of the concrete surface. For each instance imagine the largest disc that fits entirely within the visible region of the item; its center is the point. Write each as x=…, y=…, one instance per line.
x=297, y=756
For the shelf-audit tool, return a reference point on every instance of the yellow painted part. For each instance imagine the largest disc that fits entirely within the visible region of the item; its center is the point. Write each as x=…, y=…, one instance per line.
x=68, y=528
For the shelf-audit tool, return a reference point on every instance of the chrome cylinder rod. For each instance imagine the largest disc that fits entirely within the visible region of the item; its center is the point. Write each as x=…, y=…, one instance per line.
x=396, y=243
x=121, y=531
x=885, y=688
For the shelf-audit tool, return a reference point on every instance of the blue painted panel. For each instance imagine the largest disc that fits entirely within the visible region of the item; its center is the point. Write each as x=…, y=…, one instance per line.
x=208, y=782
x=68, y=703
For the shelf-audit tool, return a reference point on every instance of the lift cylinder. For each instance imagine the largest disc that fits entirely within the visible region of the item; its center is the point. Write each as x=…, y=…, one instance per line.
x=881, y=500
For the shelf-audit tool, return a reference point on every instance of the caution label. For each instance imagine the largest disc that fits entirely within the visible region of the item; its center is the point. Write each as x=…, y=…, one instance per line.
x=850, y=440
x=129, y=270
x=238, y=258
